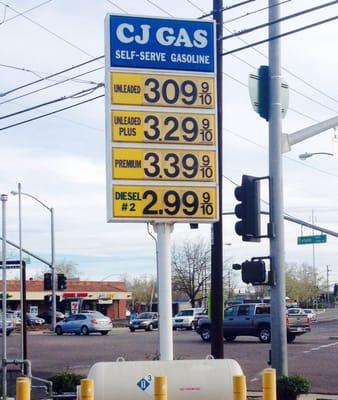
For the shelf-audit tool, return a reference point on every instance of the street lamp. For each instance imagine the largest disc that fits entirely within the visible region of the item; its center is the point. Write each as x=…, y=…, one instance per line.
x=52, y=262
x=304, y=156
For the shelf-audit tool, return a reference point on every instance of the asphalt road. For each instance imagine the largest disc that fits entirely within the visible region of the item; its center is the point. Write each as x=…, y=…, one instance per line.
x=313, y=355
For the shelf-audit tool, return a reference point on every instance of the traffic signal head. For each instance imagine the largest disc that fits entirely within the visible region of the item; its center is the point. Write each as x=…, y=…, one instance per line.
x=47, y=281
x=254, y=272
x=248, y=210
x=62, y=282
x=335, y=289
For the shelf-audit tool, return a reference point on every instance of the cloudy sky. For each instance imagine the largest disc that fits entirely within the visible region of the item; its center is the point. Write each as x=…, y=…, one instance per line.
x=61, y=158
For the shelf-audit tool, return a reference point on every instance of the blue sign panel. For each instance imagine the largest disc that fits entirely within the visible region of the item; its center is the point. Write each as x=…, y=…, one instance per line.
x=139, y=42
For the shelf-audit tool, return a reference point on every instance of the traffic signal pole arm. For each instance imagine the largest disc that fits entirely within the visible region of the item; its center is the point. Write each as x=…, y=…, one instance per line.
x=288, y=140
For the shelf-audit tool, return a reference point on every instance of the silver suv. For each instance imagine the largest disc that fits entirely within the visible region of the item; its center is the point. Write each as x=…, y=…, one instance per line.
x=185, y=318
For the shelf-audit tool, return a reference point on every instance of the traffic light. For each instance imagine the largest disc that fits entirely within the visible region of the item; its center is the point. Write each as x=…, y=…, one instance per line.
x=335, y=289
x=254, y=272
x=248, y=210
x=62, y=282
x=47, y=281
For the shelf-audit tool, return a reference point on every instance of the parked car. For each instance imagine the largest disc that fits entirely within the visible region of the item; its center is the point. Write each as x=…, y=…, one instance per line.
x=84, y=323
x=33, y=320
x=184, y=319
x=47, y=316
x=311, y=314
x=15, y=316
x=253, y=320
x=10, y=325
x=198, y=316
x=146, y=320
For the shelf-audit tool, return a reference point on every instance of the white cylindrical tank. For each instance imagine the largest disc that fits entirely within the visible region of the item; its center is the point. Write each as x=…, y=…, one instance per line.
x=198, y=379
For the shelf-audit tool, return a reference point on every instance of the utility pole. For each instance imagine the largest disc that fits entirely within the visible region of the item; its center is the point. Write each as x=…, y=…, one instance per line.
x=217, y=344
x=278, y=323
x=328, y=284
x=314, y=264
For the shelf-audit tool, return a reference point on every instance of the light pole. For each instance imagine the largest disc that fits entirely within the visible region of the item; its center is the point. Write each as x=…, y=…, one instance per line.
x=52, y=262
x=304, y=156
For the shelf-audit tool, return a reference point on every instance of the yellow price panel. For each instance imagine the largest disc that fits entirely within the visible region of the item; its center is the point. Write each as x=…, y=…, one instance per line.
x=155, y=202
x=160, y=127
x=159, y=164
x=162, y=90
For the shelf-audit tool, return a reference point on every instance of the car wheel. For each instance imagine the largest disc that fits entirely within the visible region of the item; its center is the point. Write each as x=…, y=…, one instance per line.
x=58, y=330
x=132, y=329
x=174, y=328
x=149, y=327
x=191, y=327
x=230, y=338
x=85, y=330
x=264, y=334
x=8, y=333
x=206, y=334
x=291, y=337
x=104, y=333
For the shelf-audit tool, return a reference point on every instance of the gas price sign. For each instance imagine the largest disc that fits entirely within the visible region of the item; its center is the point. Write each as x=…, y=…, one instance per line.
x=161, y=119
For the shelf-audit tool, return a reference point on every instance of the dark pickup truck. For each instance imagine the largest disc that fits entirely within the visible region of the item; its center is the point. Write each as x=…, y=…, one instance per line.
x=253, y=320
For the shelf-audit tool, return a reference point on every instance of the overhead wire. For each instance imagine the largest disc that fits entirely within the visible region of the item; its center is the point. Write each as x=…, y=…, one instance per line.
x=276, y=21
x=82, y=93
x=242, y=3
x=50, y=76
x=117, y=6
x=324, y=21
x=265, y=56
x=49, y=31
x=24, y=12
x=160, y=8
x=51, y=113
x=55, y=84
x=40, y=74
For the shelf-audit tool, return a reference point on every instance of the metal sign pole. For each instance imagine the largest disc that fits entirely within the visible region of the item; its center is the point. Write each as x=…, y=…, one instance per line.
x=22, y=283
x=4, y=198
x=163, y=232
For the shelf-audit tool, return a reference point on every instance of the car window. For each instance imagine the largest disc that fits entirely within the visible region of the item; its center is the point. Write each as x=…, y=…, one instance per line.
x=71, y=318
x=145, y=315
x=185, y=313
x=80, y=317
x=244, y=311
x=229, y=312
x=263, y=310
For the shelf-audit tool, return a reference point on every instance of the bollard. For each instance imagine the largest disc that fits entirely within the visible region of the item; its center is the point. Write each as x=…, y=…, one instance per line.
x=160, y=388
x=239, y=387
x=269, y=384
x=87, y=389
x=23, y=388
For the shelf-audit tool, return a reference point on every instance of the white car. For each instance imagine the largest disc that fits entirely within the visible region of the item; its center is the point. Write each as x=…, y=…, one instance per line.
x=184, y=319
x=311, y=314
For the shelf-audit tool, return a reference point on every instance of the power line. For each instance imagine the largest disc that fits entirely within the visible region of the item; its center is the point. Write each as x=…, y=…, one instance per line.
x=254, y=12
x=50, y=76
x=242, y=3
x=51, y=113
x=73, y=96
x=55, y=84
x=159, y=8
x=115, y=5
x=279, y=36
x=24, y=12
x=40, y=74
x=49, y=31
x=276, y=21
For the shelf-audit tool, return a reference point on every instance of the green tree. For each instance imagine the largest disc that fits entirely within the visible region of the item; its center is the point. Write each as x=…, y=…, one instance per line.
x=190, y=269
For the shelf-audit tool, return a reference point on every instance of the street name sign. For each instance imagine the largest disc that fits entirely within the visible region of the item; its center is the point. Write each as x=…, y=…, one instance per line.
x=161, y=119
x=314, y=239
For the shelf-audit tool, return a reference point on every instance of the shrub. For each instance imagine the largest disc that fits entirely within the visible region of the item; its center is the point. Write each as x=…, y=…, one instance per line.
x=289, y=387
x=65, y=381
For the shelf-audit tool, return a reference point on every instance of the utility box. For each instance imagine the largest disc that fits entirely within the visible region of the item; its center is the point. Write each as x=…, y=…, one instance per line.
x=198, y=379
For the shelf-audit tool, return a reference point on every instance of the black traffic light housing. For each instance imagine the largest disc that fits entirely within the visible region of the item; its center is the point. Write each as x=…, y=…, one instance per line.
x=248, y=210
x=335, y=289
x=47, y=281
x=254, y=272
x=62, y=282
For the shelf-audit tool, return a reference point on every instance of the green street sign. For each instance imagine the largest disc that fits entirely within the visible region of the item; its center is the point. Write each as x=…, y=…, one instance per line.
x=311, y=239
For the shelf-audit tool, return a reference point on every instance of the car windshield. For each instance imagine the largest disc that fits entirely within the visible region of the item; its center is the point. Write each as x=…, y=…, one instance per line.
x=185, y=313
x=308, y=311
x=145, y=315
x=295, y=311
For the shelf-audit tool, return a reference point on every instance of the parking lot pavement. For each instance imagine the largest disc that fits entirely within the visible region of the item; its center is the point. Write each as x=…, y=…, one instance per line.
x=312, y=396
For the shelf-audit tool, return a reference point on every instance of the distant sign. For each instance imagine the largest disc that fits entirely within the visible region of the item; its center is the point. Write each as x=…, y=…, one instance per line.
x=311, y=239
x=161, y=43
